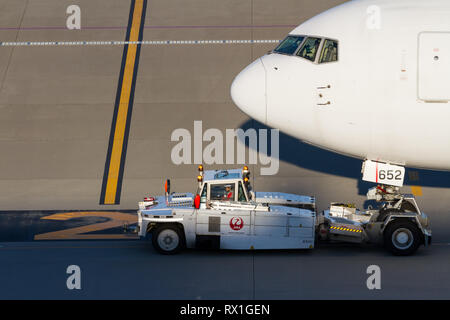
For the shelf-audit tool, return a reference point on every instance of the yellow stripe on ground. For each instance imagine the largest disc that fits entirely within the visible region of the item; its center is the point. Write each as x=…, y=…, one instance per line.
x=116, y=153
x=416, y=191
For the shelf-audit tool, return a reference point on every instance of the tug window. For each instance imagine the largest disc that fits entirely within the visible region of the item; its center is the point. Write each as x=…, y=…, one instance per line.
x=203, y=195
x=309, y=49
x=289, y=45
x=329, y=51
x=222, y=192
x=241, y=194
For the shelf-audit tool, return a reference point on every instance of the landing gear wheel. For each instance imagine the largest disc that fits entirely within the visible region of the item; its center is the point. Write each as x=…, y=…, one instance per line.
x=168, y=239
x=402, y=238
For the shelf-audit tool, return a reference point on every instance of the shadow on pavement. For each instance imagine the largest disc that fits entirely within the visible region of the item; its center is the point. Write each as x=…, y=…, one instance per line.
x=309, y=157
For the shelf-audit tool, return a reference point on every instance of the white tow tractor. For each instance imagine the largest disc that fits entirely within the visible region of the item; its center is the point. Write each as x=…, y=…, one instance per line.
x=226, y=213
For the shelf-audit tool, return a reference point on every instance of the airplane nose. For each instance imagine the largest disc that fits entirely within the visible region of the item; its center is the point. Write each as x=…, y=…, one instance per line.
x=248, y=91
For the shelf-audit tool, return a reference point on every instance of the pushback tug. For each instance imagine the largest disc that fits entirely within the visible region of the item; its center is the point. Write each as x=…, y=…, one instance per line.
x=225, y=213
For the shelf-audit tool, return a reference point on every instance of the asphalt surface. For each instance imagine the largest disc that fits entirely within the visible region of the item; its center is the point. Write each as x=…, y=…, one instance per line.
x=56, y=111
x=133, y=270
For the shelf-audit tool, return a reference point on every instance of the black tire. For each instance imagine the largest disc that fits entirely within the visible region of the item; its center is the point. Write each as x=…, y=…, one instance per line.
x=409, y=235
x=172, y=235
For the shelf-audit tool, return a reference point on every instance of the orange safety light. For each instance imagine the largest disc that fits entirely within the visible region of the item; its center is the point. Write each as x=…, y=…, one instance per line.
x=199, y=178
x=245, y=173
x=200, y=168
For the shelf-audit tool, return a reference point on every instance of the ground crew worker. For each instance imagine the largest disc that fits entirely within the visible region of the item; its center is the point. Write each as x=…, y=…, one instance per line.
x=228, y=192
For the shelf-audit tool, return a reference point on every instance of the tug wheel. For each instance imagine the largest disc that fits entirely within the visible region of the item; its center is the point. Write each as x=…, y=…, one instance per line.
x=402, y=238
x=168, y=239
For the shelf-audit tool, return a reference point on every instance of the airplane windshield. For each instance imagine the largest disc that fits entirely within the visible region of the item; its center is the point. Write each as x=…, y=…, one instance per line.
x=329, y=51
x=309, y=48
x=289, y=45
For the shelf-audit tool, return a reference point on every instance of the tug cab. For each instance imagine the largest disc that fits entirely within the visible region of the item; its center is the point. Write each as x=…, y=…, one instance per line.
x=223, y=185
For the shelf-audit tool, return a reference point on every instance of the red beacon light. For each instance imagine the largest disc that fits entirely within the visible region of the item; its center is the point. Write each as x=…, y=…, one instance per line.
x=149, y=199
x=197, y=201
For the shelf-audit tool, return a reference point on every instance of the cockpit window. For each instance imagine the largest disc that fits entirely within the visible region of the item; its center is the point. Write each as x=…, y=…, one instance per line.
x=309, y=48
x=329, y=51
x=289, y=45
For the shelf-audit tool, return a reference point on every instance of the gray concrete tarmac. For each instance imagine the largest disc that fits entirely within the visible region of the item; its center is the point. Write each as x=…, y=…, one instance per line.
x=57, y=103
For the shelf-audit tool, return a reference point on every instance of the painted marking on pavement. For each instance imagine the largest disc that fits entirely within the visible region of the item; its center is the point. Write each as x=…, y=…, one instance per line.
x=416, y=191
x=270, y=26
x=117, y=219
x=120, y=128
x=121, y=43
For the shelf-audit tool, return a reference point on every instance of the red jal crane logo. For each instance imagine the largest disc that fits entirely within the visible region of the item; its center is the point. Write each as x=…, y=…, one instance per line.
x=236, y=223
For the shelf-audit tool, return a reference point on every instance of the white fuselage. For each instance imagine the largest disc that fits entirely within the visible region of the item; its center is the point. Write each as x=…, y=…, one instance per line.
x=385, y=98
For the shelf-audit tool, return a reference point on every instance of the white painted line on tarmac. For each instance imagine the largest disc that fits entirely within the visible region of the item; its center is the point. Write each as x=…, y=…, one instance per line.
x=121, y=43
